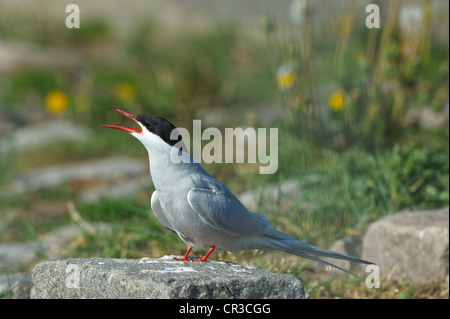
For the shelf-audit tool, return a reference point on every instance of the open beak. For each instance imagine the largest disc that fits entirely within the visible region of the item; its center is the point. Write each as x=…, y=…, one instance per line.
x=123, y=128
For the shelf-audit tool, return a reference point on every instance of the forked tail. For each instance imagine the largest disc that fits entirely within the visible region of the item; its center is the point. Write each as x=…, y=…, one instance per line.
x=280, y=241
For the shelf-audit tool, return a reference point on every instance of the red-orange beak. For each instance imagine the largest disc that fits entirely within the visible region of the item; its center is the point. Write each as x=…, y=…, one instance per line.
x=123, y=128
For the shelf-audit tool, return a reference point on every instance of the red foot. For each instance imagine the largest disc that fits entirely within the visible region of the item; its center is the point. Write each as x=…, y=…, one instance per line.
x=185, y=255
x=204, y=258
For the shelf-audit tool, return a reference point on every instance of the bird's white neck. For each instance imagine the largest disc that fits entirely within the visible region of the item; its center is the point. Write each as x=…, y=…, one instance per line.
x=168, y=162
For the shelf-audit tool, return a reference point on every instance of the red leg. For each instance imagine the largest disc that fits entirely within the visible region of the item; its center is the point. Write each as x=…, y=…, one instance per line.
x=204, y=258
x=185, y=255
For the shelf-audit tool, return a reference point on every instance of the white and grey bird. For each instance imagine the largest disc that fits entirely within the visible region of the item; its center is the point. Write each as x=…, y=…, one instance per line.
x=201, y=210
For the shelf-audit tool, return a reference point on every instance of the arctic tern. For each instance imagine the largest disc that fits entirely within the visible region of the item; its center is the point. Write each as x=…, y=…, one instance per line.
x=202, y=211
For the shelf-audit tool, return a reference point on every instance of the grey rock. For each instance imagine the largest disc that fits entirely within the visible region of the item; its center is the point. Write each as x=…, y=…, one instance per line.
x=351, y=246
x=56, y=243
x=106, y=169
x=413, y=244
x=42, y=134
x=159, y=278
x=16, y=286
x=120, y=189
x=281, y=194
x=53, y=245
x=17, y=55
x=17, y=253
x=427, y=118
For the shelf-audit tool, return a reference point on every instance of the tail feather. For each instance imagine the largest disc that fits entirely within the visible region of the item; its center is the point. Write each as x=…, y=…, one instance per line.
x=325, y=263
x=283, y=242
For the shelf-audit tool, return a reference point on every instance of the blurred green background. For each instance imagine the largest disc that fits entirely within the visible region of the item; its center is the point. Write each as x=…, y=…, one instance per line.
x=362, y=113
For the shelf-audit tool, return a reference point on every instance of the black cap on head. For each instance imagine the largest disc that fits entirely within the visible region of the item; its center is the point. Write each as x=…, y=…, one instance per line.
x=159, y=126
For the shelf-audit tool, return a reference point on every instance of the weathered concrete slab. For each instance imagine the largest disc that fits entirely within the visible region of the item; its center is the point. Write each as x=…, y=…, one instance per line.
x=159, y=278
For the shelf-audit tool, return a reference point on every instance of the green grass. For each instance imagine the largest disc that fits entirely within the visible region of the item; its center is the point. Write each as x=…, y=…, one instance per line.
x=135, y=232
x=348, y=190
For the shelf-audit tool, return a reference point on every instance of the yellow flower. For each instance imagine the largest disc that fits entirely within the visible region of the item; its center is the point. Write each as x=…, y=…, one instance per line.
x=336, y=100
x=125, y=91
x=56, y=102
x=285, y=77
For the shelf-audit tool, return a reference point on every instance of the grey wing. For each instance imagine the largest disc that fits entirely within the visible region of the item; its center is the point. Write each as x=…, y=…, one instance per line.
x=158, y=211
x=221, y=210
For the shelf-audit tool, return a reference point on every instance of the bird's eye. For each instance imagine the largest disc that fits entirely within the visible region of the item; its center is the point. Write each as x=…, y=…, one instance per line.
x=149, y=127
